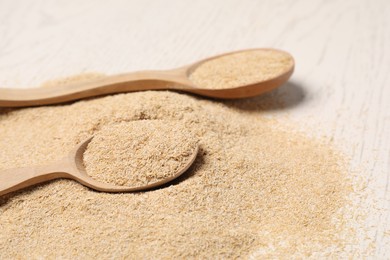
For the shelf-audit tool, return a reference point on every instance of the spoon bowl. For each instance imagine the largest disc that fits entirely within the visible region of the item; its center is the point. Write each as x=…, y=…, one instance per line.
x=251, y=89
x=176, y=79
x=72, y=167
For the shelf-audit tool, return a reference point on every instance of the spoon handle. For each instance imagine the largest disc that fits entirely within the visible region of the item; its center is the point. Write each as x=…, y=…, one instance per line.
x=20, y=178
x=137, y=81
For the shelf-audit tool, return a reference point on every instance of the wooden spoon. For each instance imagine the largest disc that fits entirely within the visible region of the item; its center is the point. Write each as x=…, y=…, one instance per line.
x=176, y=79
x=71, y=167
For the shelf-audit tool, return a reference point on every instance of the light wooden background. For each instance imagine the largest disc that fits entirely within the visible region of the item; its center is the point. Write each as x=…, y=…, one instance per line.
x=342, y=48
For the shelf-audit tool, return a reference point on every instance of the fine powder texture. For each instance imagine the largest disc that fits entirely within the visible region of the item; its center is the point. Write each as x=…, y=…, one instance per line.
x=76, y=79
x=138, y=153
x=241, y=68
x=257, y=189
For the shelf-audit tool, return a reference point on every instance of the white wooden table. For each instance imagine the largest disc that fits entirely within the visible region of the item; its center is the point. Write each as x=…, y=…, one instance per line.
x=341, y=83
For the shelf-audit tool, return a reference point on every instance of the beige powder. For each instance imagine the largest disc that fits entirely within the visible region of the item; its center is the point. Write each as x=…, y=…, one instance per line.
x=138, y=153
x=76, y=79
x=241, y=68
x=258, y=188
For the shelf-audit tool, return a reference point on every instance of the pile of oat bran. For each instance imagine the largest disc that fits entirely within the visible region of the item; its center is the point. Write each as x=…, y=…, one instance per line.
x=257, y=188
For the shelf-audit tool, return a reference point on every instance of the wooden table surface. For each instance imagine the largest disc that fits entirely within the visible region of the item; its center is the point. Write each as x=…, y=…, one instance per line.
x=341, y=85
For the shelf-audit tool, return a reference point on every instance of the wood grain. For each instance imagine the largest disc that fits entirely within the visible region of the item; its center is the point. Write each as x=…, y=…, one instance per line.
x=340, y=47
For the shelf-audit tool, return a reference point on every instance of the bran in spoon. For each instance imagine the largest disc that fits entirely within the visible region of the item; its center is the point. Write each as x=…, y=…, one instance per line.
x=138, y=153
x=241, y=68
x=258, y=188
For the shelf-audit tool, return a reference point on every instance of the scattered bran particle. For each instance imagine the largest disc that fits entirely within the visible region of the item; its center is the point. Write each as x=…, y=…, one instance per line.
x=258, y=189
x=139, y=153
x=241, y=68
